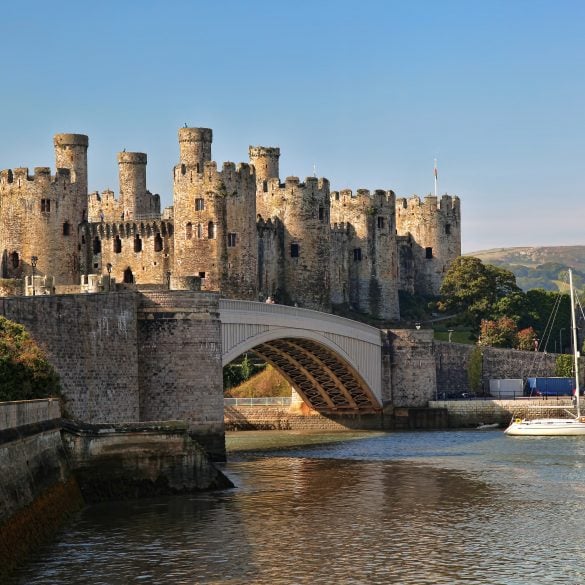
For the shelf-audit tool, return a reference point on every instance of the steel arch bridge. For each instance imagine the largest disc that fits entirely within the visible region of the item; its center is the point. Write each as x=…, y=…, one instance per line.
x=335, y=364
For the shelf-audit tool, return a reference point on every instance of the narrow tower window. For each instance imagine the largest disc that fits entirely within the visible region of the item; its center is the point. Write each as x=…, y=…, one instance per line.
x=117, y=245
x=199, y=204
x=294, y=250
x=46, y=205
x=199, y=231
x=158, y=243
x=97, y=245
x=137, y=243
x=428, y=253
x=381, y=222
x=189, y=231
x=232, y=238
x=448, y=228
x=357, y=254
x=14, y=259
x=211, y=230
x=66, y=228
x=321, y=213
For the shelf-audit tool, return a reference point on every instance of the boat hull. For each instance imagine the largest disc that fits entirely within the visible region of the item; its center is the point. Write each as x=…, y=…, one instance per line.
x=547, y=427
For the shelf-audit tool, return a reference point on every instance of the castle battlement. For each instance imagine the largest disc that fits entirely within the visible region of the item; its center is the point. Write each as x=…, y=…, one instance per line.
x=41, y=175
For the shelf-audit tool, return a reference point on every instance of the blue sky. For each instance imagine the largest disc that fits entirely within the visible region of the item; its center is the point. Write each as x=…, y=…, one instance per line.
x=370, y=92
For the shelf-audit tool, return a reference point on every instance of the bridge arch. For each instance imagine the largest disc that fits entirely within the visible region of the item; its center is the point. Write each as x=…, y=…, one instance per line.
x=332, y=362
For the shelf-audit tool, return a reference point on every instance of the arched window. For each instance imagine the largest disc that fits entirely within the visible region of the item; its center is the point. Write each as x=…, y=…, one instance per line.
x=158, y=243
x=199, y=231
x=128, y=276
x=117, y=245
x=211, y=230
x=14, y=259
x=137, y=243
x=97, y=245
x=189, y=231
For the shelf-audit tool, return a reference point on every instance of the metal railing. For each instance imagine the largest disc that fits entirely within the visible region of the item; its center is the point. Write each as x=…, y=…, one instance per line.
x=267, y=401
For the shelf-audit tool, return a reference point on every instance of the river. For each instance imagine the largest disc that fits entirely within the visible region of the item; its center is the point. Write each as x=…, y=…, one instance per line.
x=450, y=507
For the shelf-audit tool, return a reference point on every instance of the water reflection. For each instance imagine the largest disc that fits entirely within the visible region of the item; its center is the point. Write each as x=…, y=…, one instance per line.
x=410, y=508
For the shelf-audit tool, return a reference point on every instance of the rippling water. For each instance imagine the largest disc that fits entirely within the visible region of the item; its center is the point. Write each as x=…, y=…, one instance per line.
x=419, y=508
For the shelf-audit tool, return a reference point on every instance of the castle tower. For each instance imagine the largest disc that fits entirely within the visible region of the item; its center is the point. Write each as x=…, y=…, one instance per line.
x=71, y=153
x=132, y=174
x=215, y=235
x=364, y=263
x=265, y=161
x=434, y=230
x=195, y=147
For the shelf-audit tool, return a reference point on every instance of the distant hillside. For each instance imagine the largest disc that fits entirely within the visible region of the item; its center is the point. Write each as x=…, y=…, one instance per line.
x=540, y=267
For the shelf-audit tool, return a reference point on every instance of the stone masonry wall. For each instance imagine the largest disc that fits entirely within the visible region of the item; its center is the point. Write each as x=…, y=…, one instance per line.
x=180, y=369
x=91, y=341
x=452, y=361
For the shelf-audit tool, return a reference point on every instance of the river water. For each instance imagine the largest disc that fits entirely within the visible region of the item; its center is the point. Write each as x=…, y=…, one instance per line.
x=451, y=507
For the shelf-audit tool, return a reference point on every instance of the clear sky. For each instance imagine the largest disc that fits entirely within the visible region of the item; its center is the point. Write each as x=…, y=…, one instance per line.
x=370, y=92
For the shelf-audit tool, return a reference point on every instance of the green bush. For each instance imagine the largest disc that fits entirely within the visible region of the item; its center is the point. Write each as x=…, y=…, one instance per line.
x=25, y=373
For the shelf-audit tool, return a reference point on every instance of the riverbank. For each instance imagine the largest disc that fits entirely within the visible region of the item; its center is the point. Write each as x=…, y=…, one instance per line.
x=52, y=467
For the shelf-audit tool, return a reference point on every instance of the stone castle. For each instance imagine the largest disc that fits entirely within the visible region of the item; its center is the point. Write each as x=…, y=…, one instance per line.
x=238, y=230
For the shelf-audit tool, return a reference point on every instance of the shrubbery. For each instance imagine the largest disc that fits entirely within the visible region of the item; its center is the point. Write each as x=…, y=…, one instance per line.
x=25, y=373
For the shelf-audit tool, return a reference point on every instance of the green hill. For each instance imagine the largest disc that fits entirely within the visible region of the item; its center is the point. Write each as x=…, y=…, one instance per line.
x=540, y=267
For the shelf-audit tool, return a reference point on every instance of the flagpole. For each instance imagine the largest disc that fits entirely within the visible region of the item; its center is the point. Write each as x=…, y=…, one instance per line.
x=436, y=179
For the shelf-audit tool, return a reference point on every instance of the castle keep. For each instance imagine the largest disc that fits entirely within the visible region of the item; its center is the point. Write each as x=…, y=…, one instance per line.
x=239, y=230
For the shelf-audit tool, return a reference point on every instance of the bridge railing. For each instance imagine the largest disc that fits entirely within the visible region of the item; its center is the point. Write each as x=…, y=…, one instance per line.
x=266, y=401
x=299, y=313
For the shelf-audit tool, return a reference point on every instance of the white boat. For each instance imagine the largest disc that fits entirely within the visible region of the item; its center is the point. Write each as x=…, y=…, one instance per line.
x=555, y=427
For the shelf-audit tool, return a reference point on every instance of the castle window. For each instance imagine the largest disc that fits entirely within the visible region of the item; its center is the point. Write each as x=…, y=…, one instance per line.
x=232, y=238
x=45, y=205
x=202, y=275
x=97, y=245
x=158, y=243
x=199, y=204
x=128, y=276
x=321, y=213
x=428, y=253
x=381, y=222
x=117, y=245
x=189, y=231
x=14, y=259
x=66, y=229
x=183, y=169
x=294, y=250
x=137, y=243
x=211, y=230
x=265, y=186
x=357, y=254
x=199, y=231
x=336, y=195
x=448, y=228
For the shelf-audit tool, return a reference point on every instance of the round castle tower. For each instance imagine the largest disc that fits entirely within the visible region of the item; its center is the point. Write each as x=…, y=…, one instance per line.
x=71, y=153
x=195, y=147
x=132, y=176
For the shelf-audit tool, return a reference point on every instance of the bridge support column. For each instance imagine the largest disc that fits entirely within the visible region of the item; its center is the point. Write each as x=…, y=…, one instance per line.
x=179, y=363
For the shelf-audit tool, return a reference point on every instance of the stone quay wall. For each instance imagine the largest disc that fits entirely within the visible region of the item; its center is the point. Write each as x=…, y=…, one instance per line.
x=37, y=489
x=452, y=360
x=471, y=413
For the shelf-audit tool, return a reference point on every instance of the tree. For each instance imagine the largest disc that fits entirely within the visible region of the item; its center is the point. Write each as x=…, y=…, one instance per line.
x=482, y=291
x=25, y=373
x=501, y=332
x=525, y=339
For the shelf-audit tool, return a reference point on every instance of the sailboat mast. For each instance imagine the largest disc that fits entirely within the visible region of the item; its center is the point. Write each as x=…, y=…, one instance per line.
x=575, y=350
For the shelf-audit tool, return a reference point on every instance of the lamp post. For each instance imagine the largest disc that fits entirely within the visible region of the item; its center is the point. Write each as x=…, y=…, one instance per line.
x=33, y=263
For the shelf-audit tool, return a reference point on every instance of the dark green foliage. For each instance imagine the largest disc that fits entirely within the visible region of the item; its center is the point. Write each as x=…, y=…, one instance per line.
x=475, y=369
x=564, y=366
x=481, y=291
x=25, y=373
x=239, y=371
